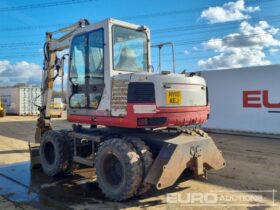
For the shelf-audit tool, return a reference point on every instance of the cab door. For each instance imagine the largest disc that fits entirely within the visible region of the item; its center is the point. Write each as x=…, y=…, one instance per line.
x=86, y=72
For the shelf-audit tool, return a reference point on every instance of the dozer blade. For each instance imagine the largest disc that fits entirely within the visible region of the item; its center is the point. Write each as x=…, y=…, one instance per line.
x=197, y=152
x=34, y=151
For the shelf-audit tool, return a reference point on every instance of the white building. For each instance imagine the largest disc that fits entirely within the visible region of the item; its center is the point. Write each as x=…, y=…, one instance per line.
x=244, y=99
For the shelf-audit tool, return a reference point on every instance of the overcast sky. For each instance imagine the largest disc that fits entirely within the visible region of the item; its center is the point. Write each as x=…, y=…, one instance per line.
x=207, y=34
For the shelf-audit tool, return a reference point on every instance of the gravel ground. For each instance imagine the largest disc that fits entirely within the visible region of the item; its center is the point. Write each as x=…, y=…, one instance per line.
x=252, y=166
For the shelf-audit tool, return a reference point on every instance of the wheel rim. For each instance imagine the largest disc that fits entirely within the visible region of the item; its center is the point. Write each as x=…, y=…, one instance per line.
x=49, y=153
x=113, y=170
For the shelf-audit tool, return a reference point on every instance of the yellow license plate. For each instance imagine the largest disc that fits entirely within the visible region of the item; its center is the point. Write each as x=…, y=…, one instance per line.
x=173, y=97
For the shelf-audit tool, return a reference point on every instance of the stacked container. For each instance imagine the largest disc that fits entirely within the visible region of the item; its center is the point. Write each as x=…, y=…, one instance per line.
x=21, y=100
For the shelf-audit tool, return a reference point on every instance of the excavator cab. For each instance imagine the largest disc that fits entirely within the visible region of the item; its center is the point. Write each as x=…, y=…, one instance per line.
x=97, y=54
x=111, y=82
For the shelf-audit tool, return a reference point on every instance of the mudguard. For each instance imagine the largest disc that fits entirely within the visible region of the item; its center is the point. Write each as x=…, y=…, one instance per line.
x=194, y=150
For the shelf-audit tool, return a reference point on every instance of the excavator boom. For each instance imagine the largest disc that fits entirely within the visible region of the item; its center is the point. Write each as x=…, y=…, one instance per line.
x=53, y=67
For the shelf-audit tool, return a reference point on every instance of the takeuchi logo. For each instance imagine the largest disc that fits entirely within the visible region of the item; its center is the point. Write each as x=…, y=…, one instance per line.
x=258, y=99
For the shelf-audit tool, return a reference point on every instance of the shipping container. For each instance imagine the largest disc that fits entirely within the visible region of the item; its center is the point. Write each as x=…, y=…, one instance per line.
x=21, y=100
x=244, y=100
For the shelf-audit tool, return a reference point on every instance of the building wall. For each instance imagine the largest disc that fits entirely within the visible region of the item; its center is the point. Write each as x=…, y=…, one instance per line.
x=245, y=99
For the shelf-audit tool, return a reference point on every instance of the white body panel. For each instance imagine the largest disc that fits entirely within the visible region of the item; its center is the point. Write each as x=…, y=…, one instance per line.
x=193, y=90
x=226, y=89
x=190, y=87
x=19, y=100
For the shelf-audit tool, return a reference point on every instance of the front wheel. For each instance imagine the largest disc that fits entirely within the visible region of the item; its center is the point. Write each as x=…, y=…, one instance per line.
x=118, y=168
x=54, y=152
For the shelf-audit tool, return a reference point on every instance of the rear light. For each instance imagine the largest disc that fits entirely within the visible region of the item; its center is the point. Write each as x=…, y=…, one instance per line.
x=142, y=121
x=152, y=121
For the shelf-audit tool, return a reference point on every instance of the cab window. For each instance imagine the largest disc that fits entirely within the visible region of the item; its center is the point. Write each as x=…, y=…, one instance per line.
x=96, y=59
x=130, y=50
x=78, y=60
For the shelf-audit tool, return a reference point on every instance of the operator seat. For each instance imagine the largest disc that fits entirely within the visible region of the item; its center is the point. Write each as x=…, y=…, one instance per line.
x=127, y=60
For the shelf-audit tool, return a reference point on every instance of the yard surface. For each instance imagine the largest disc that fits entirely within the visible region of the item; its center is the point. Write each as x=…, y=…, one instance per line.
x=252, y=167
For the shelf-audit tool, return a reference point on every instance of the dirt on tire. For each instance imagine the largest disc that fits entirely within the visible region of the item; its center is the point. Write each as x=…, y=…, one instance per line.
x=146, y=158
x=131, y=169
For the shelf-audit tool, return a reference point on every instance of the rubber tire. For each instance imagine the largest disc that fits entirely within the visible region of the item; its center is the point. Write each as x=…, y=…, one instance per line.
x=69, y=146
x=60, y=163
x=132, y=169
x=147, y=161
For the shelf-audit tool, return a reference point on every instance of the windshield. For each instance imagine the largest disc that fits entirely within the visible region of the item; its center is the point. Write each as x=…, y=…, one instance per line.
x=130, y=50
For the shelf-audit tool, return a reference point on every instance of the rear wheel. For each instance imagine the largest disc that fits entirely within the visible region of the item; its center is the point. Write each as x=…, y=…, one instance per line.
x=54, y=153
x=118, y=169
x=146, y=158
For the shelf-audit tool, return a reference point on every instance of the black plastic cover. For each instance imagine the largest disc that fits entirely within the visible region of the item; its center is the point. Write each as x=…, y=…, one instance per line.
x=141, y=92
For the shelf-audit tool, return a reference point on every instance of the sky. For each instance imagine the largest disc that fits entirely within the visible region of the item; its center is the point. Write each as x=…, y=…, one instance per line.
x=216, y=34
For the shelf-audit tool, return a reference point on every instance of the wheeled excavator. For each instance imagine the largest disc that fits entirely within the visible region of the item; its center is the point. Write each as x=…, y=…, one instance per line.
x=137, y=128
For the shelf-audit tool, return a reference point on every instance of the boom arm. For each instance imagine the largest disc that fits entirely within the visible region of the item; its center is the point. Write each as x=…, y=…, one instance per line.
x=51, y=70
